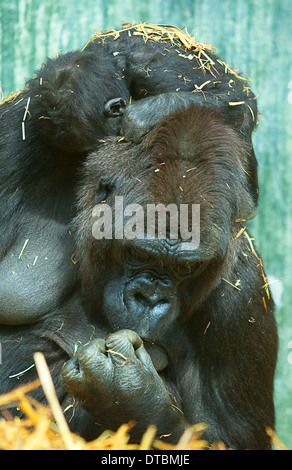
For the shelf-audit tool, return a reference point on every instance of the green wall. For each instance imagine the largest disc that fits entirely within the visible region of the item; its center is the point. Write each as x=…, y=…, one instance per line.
x=250, y=35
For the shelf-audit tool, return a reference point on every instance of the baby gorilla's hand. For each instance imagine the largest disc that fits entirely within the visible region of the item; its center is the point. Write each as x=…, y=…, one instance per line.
x=143, y=115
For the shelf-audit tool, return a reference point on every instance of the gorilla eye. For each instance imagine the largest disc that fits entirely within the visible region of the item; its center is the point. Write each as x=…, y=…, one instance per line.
x=135, y=256
x=186, y=269
x=103, y=188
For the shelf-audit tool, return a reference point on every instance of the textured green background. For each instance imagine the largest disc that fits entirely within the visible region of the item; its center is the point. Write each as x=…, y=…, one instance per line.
x=250, y=35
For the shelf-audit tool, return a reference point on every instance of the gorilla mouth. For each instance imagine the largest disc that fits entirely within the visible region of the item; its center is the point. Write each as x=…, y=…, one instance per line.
x=157, y=353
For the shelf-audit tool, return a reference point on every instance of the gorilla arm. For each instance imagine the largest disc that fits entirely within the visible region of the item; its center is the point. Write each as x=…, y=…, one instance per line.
x=142, y=116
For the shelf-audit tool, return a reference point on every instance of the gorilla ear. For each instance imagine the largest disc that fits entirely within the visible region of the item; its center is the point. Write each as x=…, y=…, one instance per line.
x=248, y=207
x=103, y=188
x=115, y=107
x=248, y=213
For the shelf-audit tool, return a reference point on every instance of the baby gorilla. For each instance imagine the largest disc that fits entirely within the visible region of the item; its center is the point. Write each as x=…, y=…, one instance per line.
x=76, y=99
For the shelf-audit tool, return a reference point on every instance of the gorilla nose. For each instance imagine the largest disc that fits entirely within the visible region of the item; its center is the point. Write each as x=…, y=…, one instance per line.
x=155, y=295
x=150, y=300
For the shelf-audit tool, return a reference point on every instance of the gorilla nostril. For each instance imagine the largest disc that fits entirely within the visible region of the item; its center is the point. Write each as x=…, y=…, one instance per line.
x=141, y=299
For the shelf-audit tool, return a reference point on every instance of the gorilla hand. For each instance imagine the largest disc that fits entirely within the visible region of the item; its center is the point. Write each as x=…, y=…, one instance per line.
x=143, y=115
x=117, y=382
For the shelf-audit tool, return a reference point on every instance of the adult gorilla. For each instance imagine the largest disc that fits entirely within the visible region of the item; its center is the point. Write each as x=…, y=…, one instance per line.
x=191, y=337
x=47, y=131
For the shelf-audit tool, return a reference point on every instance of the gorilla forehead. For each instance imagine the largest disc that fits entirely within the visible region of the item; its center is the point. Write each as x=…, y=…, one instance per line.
x=187, y=158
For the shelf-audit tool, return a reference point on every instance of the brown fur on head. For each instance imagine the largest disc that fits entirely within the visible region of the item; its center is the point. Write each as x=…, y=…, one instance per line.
x=192, y=157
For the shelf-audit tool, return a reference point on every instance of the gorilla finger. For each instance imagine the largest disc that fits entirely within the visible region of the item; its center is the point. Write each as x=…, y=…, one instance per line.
x=92, y=356
x=135, y=134
x=96, y=346
x=146, y=360
x=74, y=386
x=70, y=373
x=121, y=346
